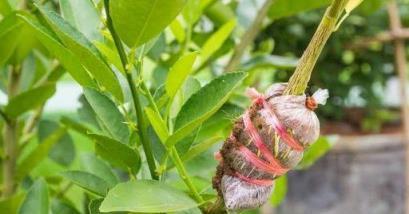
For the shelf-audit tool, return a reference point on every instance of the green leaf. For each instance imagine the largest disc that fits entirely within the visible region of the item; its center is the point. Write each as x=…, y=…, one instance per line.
x=315, y=152
x=285, y=8
x=146, y=196
x=29, y=100
x=63, y=152
x=90, y=56
x=11, y=204
x=280, y=191
x=10, y=28
x=5, y=7
x=117, y=153
x=83, y=16
x=108, y=114
x=38, y=154
x=201, y=148
x=216, y=40
x=178, y=73
x=88, y=181
x=36, y=201
x=66, y=57
x=94, y=165
x=61, y=207
x=158, y=124
x=149, y=18
x=204, y=104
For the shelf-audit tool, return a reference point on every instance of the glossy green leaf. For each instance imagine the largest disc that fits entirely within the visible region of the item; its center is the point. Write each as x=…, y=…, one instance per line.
x=109, y=115
x=88, y=181
x=94, y=165
x=178, y=73
x=90, y=57
x=117, y=153
x=219, y=12
x=178, y=30
x=201, y=147
x=83, y=16
x=204, y=104
x=216, y=40
x=279, y=192
x=38, y=154
x=315, y=152
x=146, y=196
x=10, y=28
x=285, y=8
x=149, y=18
x=29, y=100
x=158, y=124
x=66, y=57
x=36, y=201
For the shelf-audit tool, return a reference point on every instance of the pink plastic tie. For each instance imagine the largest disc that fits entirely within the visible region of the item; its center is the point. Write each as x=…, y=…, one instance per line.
x=259, y=182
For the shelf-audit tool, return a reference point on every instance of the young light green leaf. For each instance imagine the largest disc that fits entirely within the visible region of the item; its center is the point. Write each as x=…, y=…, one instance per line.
x=10, y=28
x=352, y=4
x=36, y=201
x=90, y=56
x=94, y=165
x=216, y=40
x=5, y=7
x=108, y=114
x=201, y=147
x=179, y=73
x=280, y=191
x=117, y=153
x=158, y=124
x=204, y=104
x=29, y=100
x=177, y=30
x=83, y=15
x=66, y=57
x=88, y=181
x=38, y=154
x=149, y=18
x=146, y=196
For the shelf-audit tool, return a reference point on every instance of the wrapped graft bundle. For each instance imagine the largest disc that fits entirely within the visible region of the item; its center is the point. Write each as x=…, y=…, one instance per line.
x=267, y=140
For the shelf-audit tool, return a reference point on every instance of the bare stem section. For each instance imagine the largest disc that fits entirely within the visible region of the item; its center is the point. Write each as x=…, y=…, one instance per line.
x=10, y=139
x=302, y=74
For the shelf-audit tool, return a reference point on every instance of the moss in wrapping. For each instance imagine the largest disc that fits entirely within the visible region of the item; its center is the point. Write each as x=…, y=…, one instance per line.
x=266, y=142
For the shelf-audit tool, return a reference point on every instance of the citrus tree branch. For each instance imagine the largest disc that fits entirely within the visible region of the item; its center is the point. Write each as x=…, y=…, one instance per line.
x=249, y=36
x=302, y=74
x=142, y=126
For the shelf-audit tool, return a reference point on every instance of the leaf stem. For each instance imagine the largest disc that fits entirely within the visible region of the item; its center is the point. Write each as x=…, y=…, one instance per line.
x=302, y=74
x=183, y=174
x=142, y=132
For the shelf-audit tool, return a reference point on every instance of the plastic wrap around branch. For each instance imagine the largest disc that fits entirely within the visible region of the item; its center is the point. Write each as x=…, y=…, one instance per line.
x=267, y=141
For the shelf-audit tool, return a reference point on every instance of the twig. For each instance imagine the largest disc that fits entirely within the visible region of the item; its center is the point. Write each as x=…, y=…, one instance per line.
x=10, y=138
x=249, y=36
x=302, y=74
x=386, y=36
x=400, y=63
x=146, y=144
x=4, y=116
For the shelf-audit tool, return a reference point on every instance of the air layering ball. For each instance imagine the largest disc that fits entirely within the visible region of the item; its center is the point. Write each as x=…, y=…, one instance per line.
x=267, y=140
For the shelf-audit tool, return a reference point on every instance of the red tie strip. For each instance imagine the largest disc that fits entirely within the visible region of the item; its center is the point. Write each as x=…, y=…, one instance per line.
x=273, y=166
